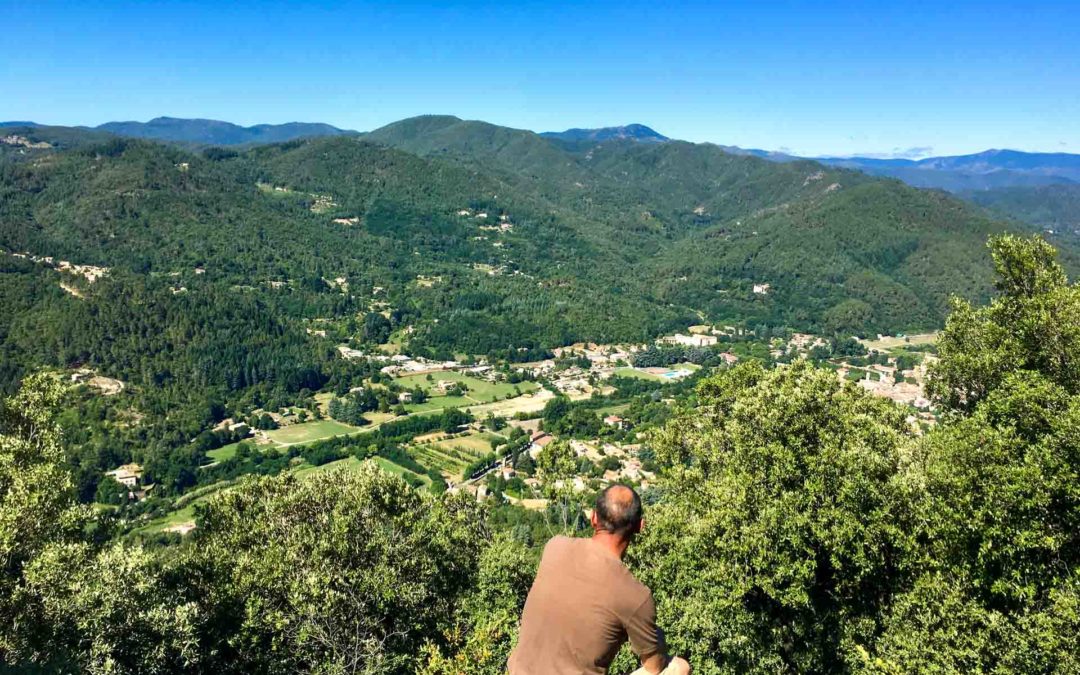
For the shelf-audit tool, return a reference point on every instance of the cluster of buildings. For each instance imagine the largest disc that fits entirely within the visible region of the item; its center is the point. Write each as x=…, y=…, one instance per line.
x=692, y=340
x=89, y=272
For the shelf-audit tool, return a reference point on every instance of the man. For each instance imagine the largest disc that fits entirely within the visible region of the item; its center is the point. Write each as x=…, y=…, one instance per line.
x=585, y=604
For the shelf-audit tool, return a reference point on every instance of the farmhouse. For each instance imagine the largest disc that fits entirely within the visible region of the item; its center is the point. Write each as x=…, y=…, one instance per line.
x=539, y=441
x=127, y=474
x=761, y=289
x=615, y=421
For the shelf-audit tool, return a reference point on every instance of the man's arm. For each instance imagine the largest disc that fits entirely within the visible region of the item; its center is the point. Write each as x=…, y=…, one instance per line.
x=648, y=642
x=662, y=663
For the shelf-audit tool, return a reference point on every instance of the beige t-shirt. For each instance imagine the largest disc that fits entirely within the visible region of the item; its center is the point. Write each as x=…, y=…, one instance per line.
x=582, y=607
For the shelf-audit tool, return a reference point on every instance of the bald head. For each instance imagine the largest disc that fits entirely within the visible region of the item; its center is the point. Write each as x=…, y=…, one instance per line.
x=618, y=511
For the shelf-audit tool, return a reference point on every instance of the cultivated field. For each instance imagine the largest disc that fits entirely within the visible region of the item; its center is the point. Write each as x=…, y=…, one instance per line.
x=306, y=432
x=450, y=456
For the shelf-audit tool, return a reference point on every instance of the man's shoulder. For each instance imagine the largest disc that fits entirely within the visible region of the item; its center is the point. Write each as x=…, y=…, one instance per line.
x=635, y=588
x=558, y=543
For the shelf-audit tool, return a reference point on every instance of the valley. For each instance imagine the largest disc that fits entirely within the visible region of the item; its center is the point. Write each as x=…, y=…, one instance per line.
x=274, y=308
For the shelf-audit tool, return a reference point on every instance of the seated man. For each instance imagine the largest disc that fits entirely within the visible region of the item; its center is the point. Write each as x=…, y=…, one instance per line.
x=585, y=604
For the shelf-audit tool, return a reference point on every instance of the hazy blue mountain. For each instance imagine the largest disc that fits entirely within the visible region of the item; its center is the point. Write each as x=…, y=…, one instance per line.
x=215, y=132
x=981, y=171
x=633, y=132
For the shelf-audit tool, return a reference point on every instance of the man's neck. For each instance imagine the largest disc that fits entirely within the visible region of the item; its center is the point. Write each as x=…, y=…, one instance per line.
x=613, y=544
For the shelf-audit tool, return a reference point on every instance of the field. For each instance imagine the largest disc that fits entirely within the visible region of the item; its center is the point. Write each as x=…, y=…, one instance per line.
x=185, y=514
x=450, y=456
x=508, y=408
x=306, y=432
x=479, y=391
x=887, y=343
x=387, y=465
x=224, y=452
x=612, y=409
x=306, y=471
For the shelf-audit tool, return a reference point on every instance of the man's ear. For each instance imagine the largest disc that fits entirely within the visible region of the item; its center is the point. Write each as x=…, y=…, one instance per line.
x=594, y=520
x=640, y=526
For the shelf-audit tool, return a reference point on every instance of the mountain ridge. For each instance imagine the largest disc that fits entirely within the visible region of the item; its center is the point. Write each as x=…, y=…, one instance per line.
x=633, y=132
x=988, y=169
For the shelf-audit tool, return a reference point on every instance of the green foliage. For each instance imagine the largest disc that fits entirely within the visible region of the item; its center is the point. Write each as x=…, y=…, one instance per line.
x=116, y=611
x=110, y=491
x=486, y=629
x=349, y=571
x=783, y=521
x=37, y=506
x=1033, y=325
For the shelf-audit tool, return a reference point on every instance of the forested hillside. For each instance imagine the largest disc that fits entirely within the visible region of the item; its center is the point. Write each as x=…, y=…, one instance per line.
x=533, y=242
x=1054, y=207
x=197, y=277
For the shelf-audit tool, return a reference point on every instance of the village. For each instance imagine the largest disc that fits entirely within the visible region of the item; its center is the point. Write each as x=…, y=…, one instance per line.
x=494, y=457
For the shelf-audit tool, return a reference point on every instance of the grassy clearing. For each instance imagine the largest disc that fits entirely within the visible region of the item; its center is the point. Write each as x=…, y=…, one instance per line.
x=323, y=398
x=508, y=408
x=306, y=432
x=887, y=343
x=306, y=471
x=640, y=374
x=612, y=409
x=398, y=470
x=439, y=403
x=224, y=452
x=378, y=417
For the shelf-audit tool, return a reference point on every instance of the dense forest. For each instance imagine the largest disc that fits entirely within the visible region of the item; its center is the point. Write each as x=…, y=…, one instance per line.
x=799, y=525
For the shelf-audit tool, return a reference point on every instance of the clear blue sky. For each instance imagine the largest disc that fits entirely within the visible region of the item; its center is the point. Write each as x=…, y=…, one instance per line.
x=811, y=77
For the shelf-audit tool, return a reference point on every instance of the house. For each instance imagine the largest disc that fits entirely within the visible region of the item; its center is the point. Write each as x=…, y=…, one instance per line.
x=128, y=474
x=761, y=289
x=729, y=358
x=405, y=397
x=615, y=421
x=689, y=340
x=539, y=441
x=240, y=428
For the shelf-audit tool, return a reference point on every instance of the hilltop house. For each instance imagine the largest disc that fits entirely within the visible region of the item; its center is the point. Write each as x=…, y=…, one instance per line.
x=127, y=475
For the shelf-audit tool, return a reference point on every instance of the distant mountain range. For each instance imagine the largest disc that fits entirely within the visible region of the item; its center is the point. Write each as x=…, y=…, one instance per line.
x=981, y=171
x=211, y=132
x=987, y=170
